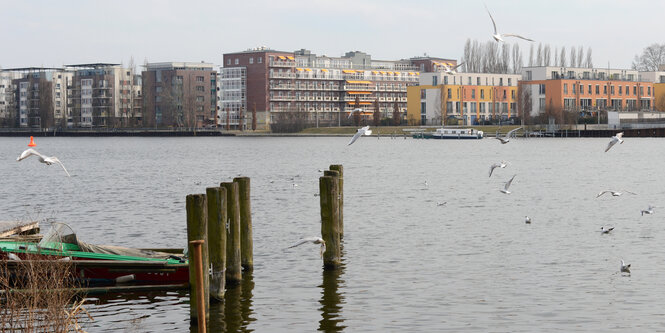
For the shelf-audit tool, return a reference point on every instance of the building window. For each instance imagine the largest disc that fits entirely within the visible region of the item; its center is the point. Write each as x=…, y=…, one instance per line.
x=478, y=81
x=260, y=60
x=434, y=80
x=200, y=88
x=597, y=89
x=501, y=81
x=512, y=94
x=251, y=61
x=627, y=90
x=482, y=93
x=541, y=89
x=504, y=94
x=449, y=93
x=469, y=80
x=565, y=88
x=445, y=80
x=604, y=90
x=612, y=90
x=528, y=75
x=620, y=90
x=590, y=92
x=228, y=61
x=237, y=61
x=199, y=98
x=473, y=93
x=574, y=85
x=648, y=91
x=199, y=79
x=635, y=90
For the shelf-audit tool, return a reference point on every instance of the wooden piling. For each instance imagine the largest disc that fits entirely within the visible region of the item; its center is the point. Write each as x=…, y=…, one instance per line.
x=246, y=242
x=217, y=217
x=328, y=187
x=200, y=291
x=233, y=256
x=197, y=229
x=340, y=168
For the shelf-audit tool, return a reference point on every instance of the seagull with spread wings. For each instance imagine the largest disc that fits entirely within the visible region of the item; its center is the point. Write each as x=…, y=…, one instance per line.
x=506, y=138
x=361, y=131
x=42, y=158
x=499, y=37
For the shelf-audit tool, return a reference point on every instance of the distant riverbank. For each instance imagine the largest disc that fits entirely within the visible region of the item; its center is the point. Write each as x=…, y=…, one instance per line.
x=396, y=131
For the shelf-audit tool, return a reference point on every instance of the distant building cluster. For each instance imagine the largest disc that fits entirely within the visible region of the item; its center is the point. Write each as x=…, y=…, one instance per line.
x=261, y=87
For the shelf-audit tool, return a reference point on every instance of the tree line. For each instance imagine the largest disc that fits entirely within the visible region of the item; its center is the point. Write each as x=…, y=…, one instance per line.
x=504, y=58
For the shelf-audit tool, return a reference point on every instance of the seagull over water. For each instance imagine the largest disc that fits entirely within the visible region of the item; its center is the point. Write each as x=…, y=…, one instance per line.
x=502, y=165
x=625, y=268
x=527, y=220
x=44, y=159
x=506, y=138
x=615, y=193
x=505, y=187
x=648, y=211
x=313, y=240
x=439, y=204
x=362, y=131
x=604, y=230
x=499, y=37
x=616, y=138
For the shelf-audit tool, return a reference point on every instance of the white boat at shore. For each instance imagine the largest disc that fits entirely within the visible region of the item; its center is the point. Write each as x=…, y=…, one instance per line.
x=451, y=133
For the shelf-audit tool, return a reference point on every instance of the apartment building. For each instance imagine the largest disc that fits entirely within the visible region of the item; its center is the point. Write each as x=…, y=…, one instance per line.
x=40, y=96
x=7, y=110
x=586, y=90
x=318, y=89
x=462, y=98
x=179, y=94
x=103, y=95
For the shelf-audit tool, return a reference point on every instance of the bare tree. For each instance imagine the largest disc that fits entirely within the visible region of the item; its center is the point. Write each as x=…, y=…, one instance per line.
x=505, y=58
x=397, y=116
x=531, y=55
x=652, y=56
x=580, y=56
x=356, y=114
x=562, y=57
x=467, y=55
x=376, y=116
x=539, y=55
x=556, y=57
x=517, y=59
x=589, y=61
x=547, y=55
x=573, y=58
x=254, y=117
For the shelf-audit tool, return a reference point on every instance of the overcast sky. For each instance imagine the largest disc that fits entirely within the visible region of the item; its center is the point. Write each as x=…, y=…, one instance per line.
x=55, y=33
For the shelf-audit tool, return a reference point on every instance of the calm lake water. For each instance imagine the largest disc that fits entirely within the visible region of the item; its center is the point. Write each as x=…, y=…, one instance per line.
x=472, y=265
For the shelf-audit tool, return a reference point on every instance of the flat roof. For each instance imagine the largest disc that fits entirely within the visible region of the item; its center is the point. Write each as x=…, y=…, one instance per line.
x=24, y=69
x=94, y=65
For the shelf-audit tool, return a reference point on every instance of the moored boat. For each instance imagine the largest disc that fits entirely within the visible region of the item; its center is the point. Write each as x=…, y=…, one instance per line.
x=451, y=133
x=95, y=265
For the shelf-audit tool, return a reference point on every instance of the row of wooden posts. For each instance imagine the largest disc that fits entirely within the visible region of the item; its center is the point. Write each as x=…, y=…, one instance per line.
x=219, y=232
x=219, y=225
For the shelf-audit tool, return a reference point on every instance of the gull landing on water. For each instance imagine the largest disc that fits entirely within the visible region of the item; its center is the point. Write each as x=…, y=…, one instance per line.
x=499, y=37
x=506, y=138
x=607, y=230
x=625, y=268
x=505, y=187
x=362, y=131
x=616, y=138
x=614, y=193
x=648, y=211
x=313, y=240
x=502, y=165
x=44, y=159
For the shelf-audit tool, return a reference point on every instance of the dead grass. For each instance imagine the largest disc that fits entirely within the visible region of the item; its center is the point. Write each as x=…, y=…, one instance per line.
x=38, y=296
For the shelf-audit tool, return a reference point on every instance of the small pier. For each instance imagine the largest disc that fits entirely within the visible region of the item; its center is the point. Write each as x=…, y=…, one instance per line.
x=18, y=228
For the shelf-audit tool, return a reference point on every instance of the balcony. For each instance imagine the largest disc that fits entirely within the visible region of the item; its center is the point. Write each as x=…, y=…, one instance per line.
x=281, y=63
x=282, y=98
x=287, y=75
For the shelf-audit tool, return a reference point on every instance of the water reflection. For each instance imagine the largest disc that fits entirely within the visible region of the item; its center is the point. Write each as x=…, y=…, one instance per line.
x=332, y=300
x=235, y=313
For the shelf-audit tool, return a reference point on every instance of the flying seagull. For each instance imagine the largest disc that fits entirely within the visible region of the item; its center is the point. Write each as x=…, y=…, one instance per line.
x=607, y=230
x=505, y=187
x=648, y=210
x=497, y=165
x=354, y=111
x=527, y=220
x=449, y=69
x=44, y=159
x=625, y=268
x=439, y=204
x=313, y=240
x=499, y=37
x=616, y=138
x=614, y=193
x=361, y=131
x=506, y=138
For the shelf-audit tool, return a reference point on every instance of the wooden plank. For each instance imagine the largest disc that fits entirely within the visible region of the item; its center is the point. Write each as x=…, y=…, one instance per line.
x=11, y=228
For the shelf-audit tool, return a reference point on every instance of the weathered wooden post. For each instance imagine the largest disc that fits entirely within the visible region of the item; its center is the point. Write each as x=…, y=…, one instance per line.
x=217, y=240
x=328, y=187
x=233, y=257
x=197, y=229
x=200, y=292
x=340, y=168
x=246, y=243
